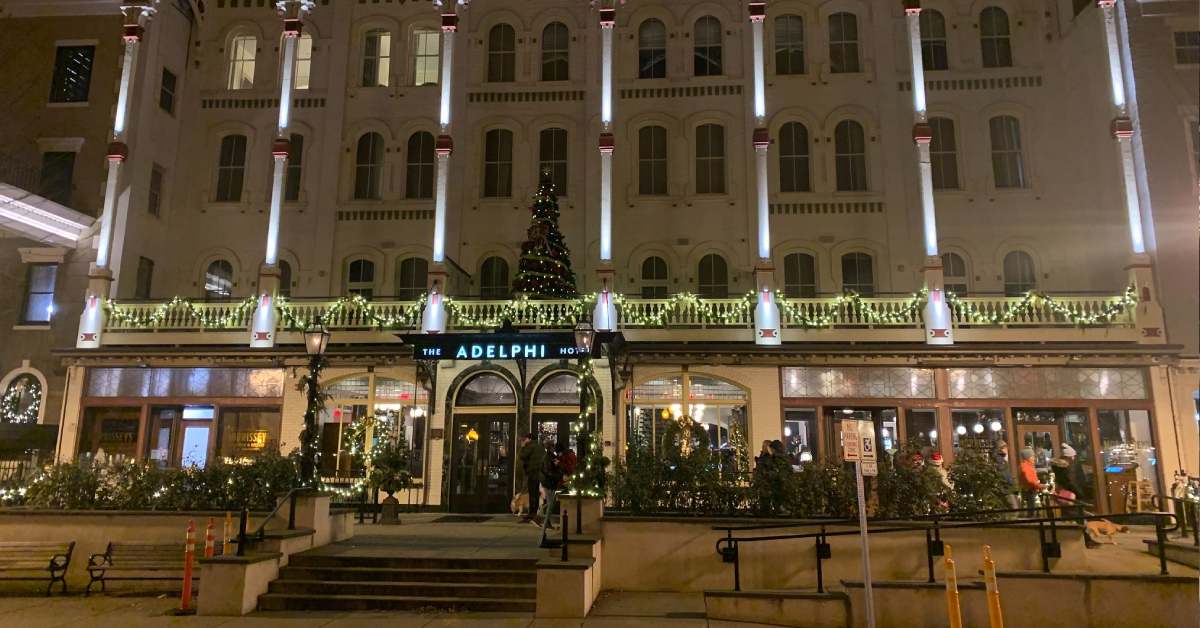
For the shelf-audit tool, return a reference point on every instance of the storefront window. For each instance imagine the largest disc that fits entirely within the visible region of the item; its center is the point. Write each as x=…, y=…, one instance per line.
x=1046, y=431
x=717, y=405
x=800, y=435
x=1130, y=460
x=248, y=432
x=555, y=407
x=185, y=382
x=850, y=382
x=886, y=434
x=402, y=403
x=110, y=434
x=920, y=430
x=979, y=430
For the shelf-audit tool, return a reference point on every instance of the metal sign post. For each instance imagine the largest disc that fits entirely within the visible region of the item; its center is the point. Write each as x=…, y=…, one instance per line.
x=858, y=444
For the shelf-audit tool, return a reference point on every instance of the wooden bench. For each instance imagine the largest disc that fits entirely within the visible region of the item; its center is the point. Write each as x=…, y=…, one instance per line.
x=35, y=561
x=141, y=561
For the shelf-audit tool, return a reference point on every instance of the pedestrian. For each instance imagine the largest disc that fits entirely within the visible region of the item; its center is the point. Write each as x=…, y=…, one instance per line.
x=552, y=481
x=1005, y=469
x=763, y=459
x=532, y=457
x=1029, y=483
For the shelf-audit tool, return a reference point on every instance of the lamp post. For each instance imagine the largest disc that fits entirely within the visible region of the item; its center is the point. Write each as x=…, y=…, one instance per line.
x=585, y=336
x=316, y=341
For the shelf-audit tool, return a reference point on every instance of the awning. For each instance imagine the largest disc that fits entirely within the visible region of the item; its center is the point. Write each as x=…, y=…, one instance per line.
x=41, y=219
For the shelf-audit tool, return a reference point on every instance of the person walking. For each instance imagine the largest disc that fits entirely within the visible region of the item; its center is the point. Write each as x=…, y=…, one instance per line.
x=1002, y=465
x=552, y=481
x=1029, y=483
x=532, y=456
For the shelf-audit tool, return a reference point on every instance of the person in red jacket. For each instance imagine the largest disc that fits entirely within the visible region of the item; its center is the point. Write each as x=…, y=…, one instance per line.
x=1027, y=480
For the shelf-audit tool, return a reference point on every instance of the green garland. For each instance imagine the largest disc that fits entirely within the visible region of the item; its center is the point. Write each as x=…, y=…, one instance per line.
x=970, y=313
x=141, y=318
x=12, y=398
x=591, y=466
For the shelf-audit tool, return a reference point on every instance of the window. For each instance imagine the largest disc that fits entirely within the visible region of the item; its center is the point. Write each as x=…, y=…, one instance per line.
x=360, y=278
x=652, y=160
x=843, y=43
x=411, y=278
x=654, y=278
x=717, y=405
x=166, y=92
x=145, y=277
x=1018, y=274
x=652, y=50
x=994, y=42
x=218, y=280
x=707, y=46
x=419, y=180
x=154, y=197
x=555, y=52
x=502, y=54
x=1008, y=164
x=850, y=149
x=377, y=58
x=39, y=293
x=58, y=171
x=1187, y=47
x=231, y=169
x=497, y=163
x=295, y=168
x=943, y=157
x=954, y=273
x=934, y=51
x=714, y=277
x=426, y=62
x=799, y=276
x=793, y=158
x=368, y=167
x=493, y=279
x=72, y=73
x=303, y=70
x=710, y=159
x=242, y=50
x=285, y=278
x=858, y=275
x=789, y=44
x=552, y=156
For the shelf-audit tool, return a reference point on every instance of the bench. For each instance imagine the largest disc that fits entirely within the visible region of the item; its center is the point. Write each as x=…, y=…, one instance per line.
x=35, y=561
x=141, y=561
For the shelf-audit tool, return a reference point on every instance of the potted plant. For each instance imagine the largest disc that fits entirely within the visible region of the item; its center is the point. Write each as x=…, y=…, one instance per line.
x=389, y=473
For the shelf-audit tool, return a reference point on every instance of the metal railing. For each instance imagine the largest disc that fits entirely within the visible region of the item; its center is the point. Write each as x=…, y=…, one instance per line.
x=261, y=532
x=1187, y=515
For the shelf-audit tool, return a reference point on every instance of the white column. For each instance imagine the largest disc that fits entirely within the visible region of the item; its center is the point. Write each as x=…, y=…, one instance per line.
x=132, y=43
x=280, y=168
x=445, y=143
x=606, y=38
x=608, y=17
x=449, y=26
x=756, y=29
x=913, y=17
x=1114, y=51
x=764, y=218
x=285, y=82
x=1123, y=130
x=928, y=215
x=606, y=155
x=106, y=218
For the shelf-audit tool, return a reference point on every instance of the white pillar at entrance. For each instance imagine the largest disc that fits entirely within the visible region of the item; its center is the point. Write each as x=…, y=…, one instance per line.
x=433, y=317
x=766, y=310
x=607, y=144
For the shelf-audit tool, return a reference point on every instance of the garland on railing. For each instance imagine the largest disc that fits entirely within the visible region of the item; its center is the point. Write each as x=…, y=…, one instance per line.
x=865, y=310
x=132, y=317
x=1032, y=299
x=707, y=312
x=409, y=316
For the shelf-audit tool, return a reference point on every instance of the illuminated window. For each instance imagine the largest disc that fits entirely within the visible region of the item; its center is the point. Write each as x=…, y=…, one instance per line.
x=377, y=58
x=303, y=72
x=218, y=280
x=72, y=73
x=426, y=62
x=242, y=51
x=39, y=293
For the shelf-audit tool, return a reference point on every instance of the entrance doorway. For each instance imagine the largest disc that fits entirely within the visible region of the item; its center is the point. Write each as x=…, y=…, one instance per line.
x=1044, y=440
x=481, y=464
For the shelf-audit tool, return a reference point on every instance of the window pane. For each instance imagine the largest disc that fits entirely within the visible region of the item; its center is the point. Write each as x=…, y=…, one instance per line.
x=58, y=171
x=707, y=46
x=652, y=160
x=934, y=52
x=994, y=38
x=242, y=52
x=377, y=58
x=166, y=94
x=493, y=279
x=552, y=156
x=793, y=158
x=502, y=53
x=942, y=154
x=713, y=277
x=231, y=167
x=218, y=280
x=497, y=164
x=710, y=159
x=555, y=52
x=1019, y=277
x=843, y=43
x=285, y=278
x=789, y=44
x=1008, y=167
x=419, y=180
x=295, y=168
x=851, y=156
x=411, y=279
x=72, y=73
x=858, y=274
x=368, y=171
x=145, y=277
x=39, y=293
x=652, y=50
x=426, y=62
x=799, y=276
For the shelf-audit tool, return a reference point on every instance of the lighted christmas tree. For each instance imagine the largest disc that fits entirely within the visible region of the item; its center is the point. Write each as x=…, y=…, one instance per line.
x=545, y=267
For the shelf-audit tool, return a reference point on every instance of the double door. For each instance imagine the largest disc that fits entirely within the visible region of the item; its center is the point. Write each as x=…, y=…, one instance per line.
x=481, y=463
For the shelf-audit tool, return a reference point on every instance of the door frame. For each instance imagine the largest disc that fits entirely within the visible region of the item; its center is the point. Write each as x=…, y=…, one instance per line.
x=480, y=414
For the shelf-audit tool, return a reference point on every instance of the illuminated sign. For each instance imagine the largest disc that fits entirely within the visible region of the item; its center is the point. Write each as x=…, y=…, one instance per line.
x=510, y=346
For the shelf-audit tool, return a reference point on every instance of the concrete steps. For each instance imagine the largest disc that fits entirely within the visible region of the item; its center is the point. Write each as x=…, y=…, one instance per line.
x=1179, y=551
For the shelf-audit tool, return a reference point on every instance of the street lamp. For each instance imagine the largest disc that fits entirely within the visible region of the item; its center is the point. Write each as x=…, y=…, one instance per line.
x=316, y=341
x=584, y=336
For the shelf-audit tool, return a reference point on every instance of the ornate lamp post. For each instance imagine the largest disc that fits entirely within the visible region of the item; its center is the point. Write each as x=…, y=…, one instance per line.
x=316, y=341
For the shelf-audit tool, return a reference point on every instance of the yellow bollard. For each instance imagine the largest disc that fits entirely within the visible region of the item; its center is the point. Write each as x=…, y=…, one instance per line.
x=952, y=606
x=995, y=618
x=226, y=543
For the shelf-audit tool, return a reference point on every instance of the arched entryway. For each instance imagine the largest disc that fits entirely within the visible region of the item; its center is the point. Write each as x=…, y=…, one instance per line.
x=481, y=444
x=555, y=406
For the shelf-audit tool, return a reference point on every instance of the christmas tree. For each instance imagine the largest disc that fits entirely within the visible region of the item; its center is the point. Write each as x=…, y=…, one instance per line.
x=545, y=267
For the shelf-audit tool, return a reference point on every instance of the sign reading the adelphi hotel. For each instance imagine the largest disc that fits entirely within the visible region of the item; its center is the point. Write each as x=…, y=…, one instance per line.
x=503, y=346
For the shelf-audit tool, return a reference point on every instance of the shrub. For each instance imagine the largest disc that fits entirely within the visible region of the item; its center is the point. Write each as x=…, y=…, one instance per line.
x=979, y=484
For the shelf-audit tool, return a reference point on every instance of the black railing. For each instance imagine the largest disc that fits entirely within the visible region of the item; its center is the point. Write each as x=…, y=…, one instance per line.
x=1187, y=515
x=261, y=532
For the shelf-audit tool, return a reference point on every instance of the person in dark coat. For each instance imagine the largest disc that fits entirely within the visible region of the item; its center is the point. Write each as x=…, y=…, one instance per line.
x=532, y=456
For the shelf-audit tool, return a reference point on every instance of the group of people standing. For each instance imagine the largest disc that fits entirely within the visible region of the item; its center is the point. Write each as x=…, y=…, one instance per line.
x=1068, y=479
x=542, y=470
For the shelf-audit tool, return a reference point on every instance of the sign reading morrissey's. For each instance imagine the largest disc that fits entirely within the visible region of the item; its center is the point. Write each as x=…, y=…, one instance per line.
x=492, y=346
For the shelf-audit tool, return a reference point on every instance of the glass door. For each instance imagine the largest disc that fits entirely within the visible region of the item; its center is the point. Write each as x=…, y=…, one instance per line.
x=555, y=429
x=481, y=464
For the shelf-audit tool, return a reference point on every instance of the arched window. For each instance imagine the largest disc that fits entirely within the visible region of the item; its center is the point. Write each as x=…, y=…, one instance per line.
x=502, y=54
x=652, y=50
x=799, y=276
x=419, y=180
x=412, y=277
x=303, y=72
x=552, y=156
x=426, y=59
x=218, y=280
x=706, y=42
x=850, y=149
x=377, y=58
x=713, y=277
x=486, y=389
x=717, y=405
x=954, y=273
x=943, y=154
x=555, y=52
x=360, y=278
x=231, y=169
x=1019, y=277
x=793, y=158
x=934, y=52
x=295, y=168
x=497, y=163
x=843, y=43
x=368, y=167
x=560, y=389
x=242, y=51
x=654, y=278
x=858, y=275
x=493, y=278
x=994, y=38
x=789, y=44
x=285, y=279
x=710, y=159
x=1008, y=163
x=652, y=160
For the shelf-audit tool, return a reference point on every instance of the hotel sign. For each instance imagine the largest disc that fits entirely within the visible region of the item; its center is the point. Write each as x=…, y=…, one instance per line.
x=503, y=346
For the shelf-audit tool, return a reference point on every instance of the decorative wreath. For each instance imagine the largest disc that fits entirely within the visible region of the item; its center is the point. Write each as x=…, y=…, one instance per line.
x=23, y=391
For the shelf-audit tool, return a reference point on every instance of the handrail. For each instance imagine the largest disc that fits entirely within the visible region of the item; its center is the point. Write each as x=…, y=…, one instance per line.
x=261, y=532
x=1181, y=508
x=937, y=516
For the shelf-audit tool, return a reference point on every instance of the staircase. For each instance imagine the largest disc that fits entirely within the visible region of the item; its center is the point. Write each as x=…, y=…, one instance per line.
x=358, y=583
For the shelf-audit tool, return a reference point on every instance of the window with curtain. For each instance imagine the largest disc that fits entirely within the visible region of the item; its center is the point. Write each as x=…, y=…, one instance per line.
x=858, y=274
x=654, y=278
x=652, y=50
x=943, y=154
x=502, y=54
x=799, y=276
x=713, y=277
x=1019, y=276
x=706, y=45
x=285, y=278
x=994, y=38
x=295, y=169
x=843, y=43
x=954, y=273
x=377, y=58
x=368, y=167
x=850, y=154
x=231, y=169
x=493, y=278
x=360, y=278
x=72, y=73
x=242, y=51
x=303, y=71
x=39, y=293
x=1008, y=162
x=497, y=163
x=418, y=182
x=710, y=159
x=218, y=280
x=555, y=52
x=793, y=158
x=426, y=59
x=652, y=160
x=935, y=53
x=552, y=156
x=411, y=278
x=789, y=44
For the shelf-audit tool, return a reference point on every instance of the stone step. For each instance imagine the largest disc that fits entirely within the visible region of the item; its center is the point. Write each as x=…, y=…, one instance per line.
x=1177, y=551
x=406, y=562
x=309, y=602
x=389, y=574
x=436, y=590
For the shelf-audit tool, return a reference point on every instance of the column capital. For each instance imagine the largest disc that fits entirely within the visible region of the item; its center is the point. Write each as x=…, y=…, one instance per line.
x=1122, y=127
x=293, y=9
x=911, y=7
x=608, y=17
x=444, y=145
x=607, y=143
x=922, y=133
x=282, y=147
x=761, y=138
x=758, y=10
x=118, y=151
x=1105, y=4
x=449, y=22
